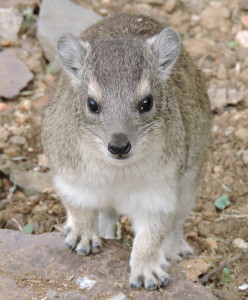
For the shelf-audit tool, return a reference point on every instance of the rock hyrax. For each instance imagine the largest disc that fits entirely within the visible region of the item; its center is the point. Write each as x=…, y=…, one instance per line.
x=126, y=132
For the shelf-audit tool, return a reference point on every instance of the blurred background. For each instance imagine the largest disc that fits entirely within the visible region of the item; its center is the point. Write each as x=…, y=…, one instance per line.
x=215, y=33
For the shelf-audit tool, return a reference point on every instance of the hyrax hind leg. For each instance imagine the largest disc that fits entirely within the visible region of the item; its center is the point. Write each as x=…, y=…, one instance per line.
x=81, y=230
x=175, y=245
x=107, y=223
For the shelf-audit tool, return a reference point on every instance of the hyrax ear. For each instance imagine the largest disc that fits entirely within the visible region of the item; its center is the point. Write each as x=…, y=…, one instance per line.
x=72, y=53
x=166, y=46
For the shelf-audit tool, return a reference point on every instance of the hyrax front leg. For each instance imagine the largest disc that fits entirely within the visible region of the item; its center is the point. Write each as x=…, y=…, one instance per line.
x=148, y=262
x=82, y=230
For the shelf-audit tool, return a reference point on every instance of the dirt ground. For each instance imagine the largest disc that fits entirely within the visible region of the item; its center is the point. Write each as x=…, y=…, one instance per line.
x=208, y=30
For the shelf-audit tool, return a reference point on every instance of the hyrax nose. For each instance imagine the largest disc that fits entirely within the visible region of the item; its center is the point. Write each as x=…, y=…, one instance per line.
x=119, y=144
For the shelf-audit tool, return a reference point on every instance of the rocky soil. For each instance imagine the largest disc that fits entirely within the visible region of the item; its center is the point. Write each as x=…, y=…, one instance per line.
x=216, y=35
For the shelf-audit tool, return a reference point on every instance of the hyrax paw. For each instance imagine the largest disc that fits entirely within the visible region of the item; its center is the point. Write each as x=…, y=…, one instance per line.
x=177, y=249
x=151, y=278
x=82, y=242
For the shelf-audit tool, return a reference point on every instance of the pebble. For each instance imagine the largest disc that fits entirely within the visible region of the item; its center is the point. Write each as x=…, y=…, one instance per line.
x=234, y=96
x=204, y=228
x=241, y=133
x=10, y=23
x=18, y=140
x=239, y=243
x=222, y=72
x=218, y=97
x=4, y=106
x=226, y=294
x=212, y=244
x=194, y=267
x=42, y=160
x=4, y=134
x=13, y=73
x=214, y=16
x=242, y=38
x=242, y=53
x=244, y=21
x=170, y=5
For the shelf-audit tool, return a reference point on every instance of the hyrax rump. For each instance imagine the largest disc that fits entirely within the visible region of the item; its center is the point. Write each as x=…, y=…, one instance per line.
x=126, y=132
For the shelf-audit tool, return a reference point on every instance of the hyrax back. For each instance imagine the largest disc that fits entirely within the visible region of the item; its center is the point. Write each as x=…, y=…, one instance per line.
x=126, y=132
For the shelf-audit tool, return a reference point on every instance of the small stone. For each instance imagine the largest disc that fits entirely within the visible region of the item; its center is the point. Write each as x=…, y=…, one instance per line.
x=13, y=73
x=4, y=134
x=41, y=207
x=242, y=38
x=212, y=244
x=200, y=46
x=42, y=160
x=218, y=98
x=194, y=267
x=242, y=53
x=226, y=294
x=25, y=104
x=239, y=243
x=243, y=76
x=245, y=157
x=204, y=228
x=222, y=72
x=241, y=133
x=18, y=140
x=234, y=96
x=10, y=23
x=244, y=21
x=4, y=106
x=170, y=5
x=214, y=16
x=5, y=42
x=208, y=210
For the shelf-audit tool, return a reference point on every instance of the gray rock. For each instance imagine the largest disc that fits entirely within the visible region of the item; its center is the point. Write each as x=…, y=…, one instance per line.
x=58, y=17
x=10, y=23
x=31, y=182
x=13, y=73
x=40, y=267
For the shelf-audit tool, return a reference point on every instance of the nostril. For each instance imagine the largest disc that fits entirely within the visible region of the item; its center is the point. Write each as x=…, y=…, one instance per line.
x=112, y=148
x=127, y=148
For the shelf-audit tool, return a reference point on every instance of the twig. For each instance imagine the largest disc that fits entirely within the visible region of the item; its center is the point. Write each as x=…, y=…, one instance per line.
x=240, y=255
x=223, y=217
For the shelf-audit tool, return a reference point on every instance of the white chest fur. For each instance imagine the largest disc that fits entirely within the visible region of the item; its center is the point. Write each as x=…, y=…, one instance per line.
x=147, y=185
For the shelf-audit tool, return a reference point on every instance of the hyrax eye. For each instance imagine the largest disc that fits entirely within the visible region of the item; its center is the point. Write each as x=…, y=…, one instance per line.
x=93, y=106
x=146, y=104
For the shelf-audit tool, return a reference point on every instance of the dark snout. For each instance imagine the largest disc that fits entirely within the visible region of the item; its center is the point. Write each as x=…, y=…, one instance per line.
x=119, y=144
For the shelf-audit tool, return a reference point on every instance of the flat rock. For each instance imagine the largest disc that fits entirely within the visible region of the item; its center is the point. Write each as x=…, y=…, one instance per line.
x=40, y=267
x=13, y=73
x=31, y=182
x=58, y=17
x=10, y=23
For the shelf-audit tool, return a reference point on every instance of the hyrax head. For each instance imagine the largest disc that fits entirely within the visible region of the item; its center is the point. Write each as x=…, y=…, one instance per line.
x=117, y=90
